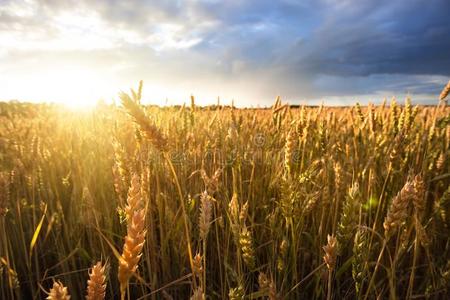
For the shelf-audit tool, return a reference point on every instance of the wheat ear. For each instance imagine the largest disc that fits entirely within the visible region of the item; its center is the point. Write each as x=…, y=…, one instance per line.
x=204, y=221
x=149, y=131
x=330, y=250
x=58, y=292
x=135, y=238
x=398, y=211
x=349, y=218
x=246, y=243
x=445, y=91
x=330, y=259
x=132, y=249
x=96, y=286
x=134, y=198
x=267, y=286
x=289, y=148
x=419, y=195
x=236, y=293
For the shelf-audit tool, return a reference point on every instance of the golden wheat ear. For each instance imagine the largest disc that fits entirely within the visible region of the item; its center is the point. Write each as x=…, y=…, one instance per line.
x=132, y=249
x=147, y=128
x=96, y=286
x=330, y=250
x=267, y=286
x=419, y=194
x=135, y=238
x=58, y=292
x=445, y=91
x=204, y=221
x=398, y=211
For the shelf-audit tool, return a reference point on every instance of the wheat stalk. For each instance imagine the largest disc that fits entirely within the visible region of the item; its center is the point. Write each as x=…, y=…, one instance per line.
x=4, y=193
x=198, y=294
x=283, y=251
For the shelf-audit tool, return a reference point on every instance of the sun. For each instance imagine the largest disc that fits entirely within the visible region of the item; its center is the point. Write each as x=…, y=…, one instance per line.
x=76, y=88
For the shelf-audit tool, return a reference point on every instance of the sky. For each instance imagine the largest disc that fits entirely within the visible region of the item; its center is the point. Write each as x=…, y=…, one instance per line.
x=335, y=51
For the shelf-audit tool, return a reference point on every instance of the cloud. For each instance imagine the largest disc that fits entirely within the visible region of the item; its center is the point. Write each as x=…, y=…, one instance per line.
x=250, y=50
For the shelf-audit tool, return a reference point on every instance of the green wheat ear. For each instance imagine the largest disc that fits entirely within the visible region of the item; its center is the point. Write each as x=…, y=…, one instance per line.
x=360, y=258
x=349, y=218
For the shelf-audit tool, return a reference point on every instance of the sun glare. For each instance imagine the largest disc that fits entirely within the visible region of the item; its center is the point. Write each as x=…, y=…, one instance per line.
x=74, y=87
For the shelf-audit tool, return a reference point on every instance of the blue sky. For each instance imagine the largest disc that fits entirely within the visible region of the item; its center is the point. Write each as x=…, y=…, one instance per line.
x=334, y=51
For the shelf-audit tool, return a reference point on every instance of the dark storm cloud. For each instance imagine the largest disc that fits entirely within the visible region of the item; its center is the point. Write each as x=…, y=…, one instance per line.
x=410, y=37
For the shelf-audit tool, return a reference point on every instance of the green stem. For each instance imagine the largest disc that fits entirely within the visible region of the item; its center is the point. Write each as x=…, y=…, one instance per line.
x=183, y=208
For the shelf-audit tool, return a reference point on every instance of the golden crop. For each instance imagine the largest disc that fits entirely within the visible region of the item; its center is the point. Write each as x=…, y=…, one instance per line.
x=138, y=202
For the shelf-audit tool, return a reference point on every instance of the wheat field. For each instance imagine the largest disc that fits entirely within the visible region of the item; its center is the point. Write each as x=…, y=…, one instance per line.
x=139, y=202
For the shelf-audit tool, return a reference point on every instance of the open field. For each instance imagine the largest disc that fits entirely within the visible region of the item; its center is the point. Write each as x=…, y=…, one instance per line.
x=304, y=203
